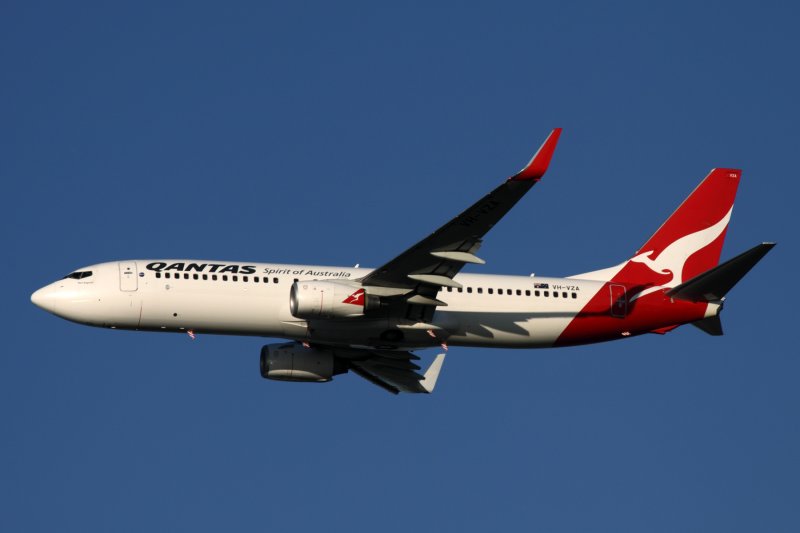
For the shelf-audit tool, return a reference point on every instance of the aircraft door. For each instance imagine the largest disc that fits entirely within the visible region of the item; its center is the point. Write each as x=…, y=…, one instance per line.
x=128, y=276
x=619, y=301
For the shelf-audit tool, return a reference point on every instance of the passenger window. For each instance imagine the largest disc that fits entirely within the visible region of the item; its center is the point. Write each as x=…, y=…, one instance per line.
x=186, y=276
x=255, y=279
x=527, y=292
x=195, y=276
x=274, y=280
x=244, y=278
x=555, y=294
x=158, y=274
x=213, y=277
x=449, y=289
x=235, y=278
x=547, y=293
x=469, y=290
x=491, y=291
x=519, y=292
x=537, y=293
x=563, y=294
x=166, y=275
x=224, y=278
x=460, y=289
x=574, y=295
x=480, y=290
x=205, y=277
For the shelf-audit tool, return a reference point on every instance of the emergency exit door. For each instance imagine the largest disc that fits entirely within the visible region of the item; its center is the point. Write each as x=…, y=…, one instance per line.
x=619, y=301
x=128, y=276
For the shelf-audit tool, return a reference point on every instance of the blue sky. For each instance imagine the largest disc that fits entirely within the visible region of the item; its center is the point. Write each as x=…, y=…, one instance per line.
x=341, y=133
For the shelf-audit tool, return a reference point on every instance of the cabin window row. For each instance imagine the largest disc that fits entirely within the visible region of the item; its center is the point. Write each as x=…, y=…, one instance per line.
x=215, y=277
x=518, y=292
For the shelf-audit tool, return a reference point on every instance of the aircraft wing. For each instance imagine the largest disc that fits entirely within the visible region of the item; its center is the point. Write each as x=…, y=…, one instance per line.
x=395, y=371
x=433, y=262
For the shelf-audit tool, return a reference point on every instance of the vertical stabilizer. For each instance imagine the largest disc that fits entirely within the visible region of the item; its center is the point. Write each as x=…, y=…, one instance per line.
x=687, y=244
x=690, y=241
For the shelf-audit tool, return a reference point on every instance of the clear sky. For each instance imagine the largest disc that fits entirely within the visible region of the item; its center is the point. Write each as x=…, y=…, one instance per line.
x=340, y=133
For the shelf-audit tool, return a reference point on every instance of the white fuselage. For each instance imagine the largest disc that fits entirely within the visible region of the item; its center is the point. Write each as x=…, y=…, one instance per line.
x=253, y=299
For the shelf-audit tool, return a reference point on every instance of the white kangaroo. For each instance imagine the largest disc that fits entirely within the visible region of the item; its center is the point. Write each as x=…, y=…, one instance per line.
x=674, y=257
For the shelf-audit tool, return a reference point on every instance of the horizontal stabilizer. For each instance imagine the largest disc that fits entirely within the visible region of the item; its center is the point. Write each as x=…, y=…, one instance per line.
x=711, y=325
x=715, y=283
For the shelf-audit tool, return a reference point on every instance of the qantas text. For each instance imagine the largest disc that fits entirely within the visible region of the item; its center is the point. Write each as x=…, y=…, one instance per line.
x=222, y=268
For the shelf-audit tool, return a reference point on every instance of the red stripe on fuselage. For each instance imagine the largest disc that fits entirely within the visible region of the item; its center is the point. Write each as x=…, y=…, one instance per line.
x=687, y=244
x=596, y=323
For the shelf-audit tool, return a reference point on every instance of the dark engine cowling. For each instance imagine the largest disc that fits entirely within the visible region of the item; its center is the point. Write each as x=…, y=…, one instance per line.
x=327, y=299
x=291, y=361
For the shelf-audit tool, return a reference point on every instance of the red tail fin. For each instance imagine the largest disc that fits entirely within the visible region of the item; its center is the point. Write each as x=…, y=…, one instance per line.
x=690, y=241
x=687, y=244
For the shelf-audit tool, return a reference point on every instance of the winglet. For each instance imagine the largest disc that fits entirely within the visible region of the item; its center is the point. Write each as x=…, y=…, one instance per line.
x=538, y=164
x=432, y=374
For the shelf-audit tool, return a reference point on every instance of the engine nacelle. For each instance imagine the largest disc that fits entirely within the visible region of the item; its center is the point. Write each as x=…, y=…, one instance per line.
x=293, y=362
x=326, y=299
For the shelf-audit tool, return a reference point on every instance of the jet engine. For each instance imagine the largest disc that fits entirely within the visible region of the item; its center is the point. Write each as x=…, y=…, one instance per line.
x=291, y=361
x=328, y=299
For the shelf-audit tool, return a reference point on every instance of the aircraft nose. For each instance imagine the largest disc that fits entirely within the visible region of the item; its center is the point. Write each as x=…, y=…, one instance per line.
x=44, y=299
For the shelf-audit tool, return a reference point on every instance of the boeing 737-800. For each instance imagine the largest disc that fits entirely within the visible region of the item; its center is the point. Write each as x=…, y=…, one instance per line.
x=370, y=321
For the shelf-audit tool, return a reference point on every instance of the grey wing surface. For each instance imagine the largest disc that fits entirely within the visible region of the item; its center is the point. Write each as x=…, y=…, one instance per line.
x=418, y=273
x=395, y=371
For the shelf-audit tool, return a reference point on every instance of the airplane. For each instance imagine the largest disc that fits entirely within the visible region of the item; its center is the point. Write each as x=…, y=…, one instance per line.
x=370, y=321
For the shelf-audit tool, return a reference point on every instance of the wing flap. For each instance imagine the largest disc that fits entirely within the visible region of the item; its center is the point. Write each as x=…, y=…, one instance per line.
x=374, y=380
x=397, y=375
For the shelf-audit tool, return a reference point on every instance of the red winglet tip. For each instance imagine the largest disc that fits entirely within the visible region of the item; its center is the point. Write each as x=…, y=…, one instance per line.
x=538, y=164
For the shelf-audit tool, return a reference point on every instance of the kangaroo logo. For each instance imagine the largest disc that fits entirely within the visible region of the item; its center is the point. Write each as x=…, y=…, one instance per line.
x=357, y=298
x=673, y=258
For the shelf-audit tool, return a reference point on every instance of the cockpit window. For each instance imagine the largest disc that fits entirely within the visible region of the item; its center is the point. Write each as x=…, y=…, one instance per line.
x=79, y=275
